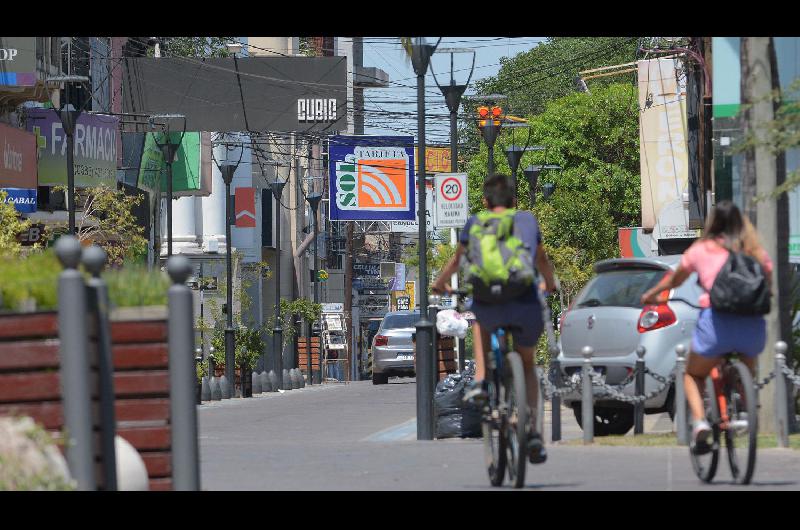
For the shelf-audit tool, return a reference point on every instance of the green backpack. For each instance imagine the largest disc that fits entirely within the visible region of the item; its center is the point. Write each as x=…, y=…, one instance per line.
x=498, y=264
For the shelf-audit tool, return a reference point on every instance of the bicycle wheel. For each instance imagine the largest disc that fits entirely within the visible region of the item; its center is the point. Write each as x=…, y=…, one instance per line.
x=742, y=430
x=517, y=419
x=705, y=464
x=494, y=434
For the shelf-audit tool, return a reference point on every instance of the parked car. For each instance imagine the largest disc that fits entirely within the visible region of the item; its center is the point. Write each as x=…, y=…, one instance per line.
x=608, y=316
x=392, y=347
x=369, y=333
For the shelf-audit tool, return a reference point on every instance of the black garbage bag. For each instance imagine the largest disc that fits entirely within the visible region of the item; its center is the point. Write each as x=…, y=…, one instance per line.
x=453, y=417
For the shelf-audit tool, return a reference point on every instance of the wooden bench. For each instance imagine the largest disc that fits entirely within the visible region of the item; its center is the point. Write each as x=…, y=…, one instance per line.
x=30, y=383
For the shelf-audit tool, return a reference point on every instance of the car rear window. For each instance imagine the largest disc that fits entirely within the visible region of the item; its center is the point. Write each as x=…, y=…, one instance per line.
x=400, y=321
x=619, y=288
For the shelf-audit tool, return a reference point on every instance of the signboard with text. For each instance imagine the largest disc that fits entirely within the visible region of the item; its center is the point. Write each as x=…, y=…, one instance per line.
x=452, y=205
x=18, y=162
x=372, y=178
x=95, y=148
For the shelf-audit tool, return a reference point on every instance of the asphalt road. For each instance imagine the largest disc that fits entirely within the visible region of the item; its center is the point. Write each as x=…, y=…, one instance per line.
x=358, y=436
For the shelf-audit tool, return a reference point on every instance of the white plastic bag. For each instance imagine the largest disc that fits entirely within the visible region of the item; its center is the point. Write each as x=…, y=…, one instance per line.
x=450, y=323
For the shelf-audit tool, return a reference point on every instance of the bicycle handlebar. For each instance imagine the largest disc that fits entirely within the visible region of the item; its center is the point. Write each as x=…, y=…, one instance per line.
x=685, y=302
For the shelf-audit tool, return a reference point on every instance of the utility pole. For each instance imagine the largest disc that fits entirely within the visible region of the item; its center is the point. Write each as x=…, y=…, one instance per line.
x=762, y=172
x=452, y=95
x=420, y=58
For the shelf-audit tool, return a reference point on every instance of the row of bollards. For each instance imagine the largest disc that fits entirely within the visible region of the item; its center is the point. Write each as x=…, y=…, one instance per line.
x=217, y=388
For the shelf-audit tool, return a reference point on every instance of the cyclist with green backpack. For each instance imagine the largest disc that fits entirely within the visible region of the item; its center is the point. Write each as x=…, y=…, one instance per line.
x=500, y=247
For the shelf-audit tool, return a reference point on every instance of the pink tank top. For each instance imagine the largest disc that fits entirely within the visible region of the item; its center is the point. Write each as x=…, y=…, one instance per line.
x=706, y=258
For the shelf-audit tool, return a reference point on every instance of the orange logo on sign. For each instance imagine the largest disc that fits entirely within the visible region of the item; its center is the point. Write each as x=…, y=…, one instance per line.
x=382, y=184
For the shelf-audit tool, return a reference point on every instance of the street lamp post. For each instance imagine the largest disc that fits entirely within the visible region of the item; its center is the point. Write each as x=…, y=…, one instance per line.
x=532, y=174
x=452, y=95
x=228, y=168
x=69, y=119
x=420, y=58
x=313, y=201
x=277, y=331
x=168, y=149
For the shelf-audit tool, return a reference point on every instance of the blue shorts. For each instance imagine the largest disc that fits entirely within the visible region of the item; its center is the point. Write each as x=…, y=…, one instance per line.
x=524, y=317
x=722, y=333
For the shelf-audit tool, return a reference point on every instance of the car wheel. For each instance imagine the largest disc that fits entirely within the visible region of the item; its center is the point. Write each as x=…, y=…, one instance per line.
x=607, y=420
x=379, y=379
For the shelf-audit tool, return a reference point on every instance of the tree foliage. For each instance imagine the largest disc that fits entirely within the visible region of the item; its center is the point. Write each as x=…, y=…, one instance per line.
x=107, y=219
x=594, y=138
x=196, y=46
x=546, y=72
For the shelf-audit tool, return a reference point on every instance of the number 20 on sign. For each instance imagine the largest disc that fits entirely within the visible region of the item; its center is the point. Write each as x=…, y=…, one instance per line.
x=452, y=205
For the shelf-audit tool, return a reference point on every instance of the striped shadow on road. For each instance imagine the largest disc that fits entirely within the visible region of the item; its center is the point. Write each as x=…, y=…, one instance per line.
x=405, y=431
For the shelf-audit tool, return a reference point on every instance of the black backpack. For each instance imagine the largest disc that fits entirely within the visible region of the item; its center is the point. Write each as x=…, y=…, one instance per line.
x=741, y=287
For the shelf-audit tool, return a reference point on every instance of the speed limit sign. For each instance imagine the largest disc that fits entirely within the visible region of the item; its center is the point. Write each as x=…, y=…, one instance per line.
x=452, y=206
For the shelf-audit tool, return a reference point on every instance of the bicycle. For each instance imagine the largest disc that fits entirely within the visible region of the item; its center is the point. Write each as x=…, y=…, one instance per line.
x=506, y=418
x=731, y=408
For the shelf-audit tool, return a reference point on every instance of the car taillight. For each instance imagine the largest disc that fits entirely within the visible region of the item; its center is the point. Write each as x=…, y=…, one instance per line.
x=655, y=317
x=381, y=340
x=564, y=315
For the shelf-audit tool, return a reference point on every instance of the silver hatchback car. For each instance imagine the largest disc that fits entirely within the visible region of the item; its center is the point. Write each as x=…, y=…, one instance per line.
x=393, y=347
x=608, y=316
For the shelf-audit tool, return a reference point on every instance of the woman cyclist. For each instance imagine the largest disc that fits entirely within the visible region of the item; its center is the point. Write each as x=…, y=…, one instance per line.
x=717, y=333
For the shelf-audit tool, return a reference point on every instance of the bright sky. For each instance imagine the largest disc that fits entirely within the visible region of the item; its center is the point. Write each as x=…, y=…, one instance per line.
x=400, y=100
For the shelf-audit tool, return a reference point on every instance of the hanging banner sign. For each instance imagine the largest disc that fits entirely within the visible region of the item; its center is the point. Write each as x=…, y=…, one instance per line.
x=437, y=159
x=452, y=204
x=372, y=178
x=95, y=159
x=367, y=269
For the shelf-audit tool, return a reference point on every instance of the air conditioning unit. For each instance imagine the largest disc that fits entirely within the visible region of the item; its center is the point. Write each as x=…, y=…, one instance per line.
x=388, y=269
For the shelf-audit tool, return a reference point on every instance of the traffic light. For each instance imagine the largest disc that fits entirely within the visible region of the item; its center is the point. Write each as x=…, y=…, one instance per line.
x=483, y=114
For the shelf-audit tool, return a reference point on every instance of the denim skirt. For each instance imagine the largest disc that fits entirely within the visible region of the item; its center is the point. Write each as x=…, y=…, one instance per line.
x=721, y=333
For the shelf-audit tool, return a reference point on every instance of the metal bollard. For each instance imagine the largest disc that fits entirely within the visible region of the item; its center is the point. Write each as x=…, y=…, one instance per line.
x=781, y=397
x=273, y=380
x=638, y=407
x=74, y=343
x=266, y=385
x=205, y=389
x=286, y=380
x=433, y=311
x=680, y=395
x=224, y=387
x=182, y=378
x=587, y=404
x=302, y=378
x=256, y=383
x=94, y=259
x=216, y=391
x=556, y=401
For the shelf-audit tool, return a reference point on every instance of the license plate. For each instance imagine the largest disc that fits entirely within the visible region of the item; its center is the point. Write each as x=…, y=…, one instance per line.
x=402, y=357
